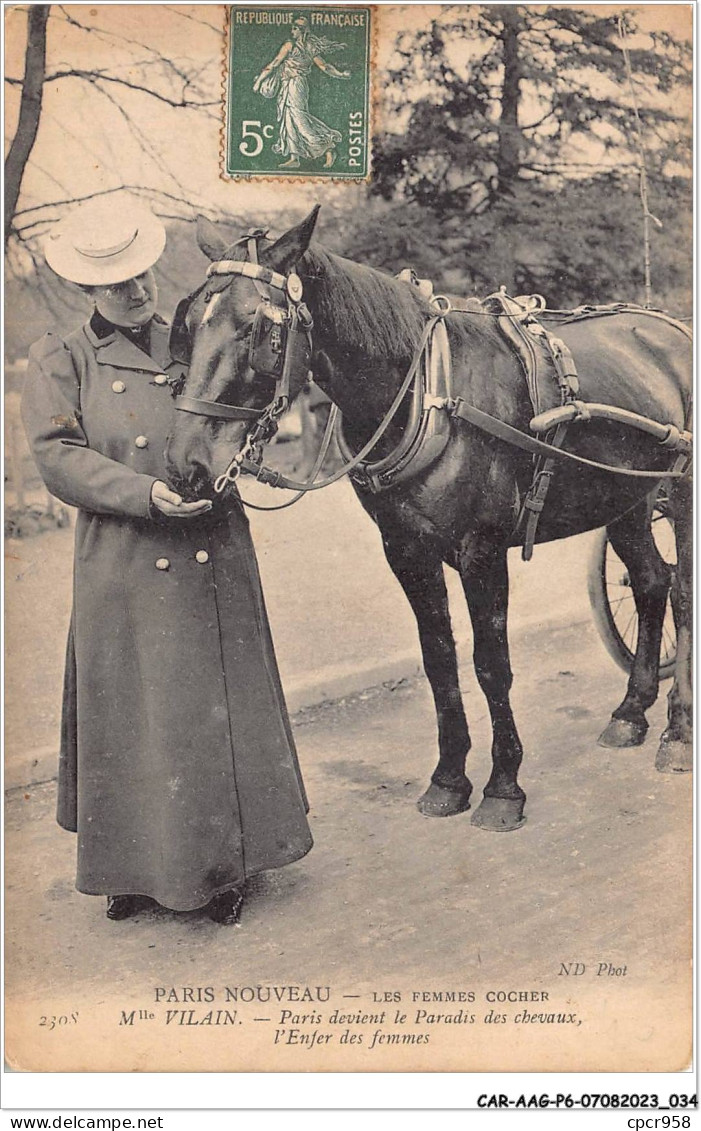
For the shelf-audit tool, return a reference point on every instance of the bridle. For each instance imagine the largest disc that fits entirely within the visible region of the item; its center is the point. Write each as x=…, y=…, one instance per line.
x=280, y=347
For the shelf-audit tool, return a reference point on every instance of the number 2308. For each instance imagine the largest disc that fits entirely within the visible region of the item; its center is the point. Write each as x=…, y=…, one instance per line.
x=61, y=1022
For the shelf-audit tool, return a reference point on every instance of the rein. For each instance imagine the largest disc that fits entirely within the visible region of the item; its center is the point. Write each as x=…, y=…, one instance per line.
x=274, y=478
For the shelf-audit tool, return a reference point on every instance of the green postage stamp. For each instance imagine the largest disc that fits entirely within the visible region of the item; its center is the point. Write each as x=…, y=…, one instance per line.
x=298, y=92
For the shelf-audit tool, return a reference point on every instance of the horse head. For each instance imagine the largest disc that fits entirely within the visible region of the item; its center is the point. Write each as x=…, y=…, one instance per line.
x=245, y=334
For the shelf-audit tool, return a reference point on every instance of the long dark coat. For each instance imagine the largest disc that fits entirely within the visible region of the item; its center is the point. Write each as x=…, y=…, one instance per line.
x=177, y=770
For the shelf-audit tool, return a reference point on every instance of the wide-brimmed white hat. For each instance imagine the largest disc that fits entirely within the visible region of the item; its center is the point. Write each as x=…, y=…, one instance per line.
x=105, y=241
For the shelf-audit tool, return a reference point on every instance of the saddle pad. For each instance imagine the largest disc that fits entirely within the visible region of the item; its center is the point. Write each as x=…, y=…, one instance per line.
x=528, y=338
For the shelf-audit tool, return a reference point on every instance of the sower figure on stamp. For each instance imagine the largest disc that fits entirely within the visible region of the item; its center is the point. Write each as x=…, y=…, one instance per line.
x=300, y=134
x=178, y=770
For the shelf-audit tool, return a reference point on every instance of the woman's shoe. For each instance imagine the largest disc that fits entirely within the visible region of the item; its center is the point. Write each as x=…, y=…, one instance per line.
x=226, y=907
x=293, y=163
x=329, y=158
x=124, y=906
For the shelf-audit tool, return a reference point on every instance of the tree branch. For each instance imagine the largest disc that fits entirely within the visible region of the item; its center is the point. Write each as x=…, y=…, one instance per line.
x=158, y=58
x=195, y=20
x=48, y=175
x=535, y=125
x=158, y=193
x=101, y=76
x=139, y=135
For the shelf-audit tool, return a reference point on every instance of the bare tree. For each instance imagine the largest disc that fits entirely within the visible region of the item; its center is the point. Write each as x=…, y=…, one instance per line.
x=140, y=77
x=134, y=94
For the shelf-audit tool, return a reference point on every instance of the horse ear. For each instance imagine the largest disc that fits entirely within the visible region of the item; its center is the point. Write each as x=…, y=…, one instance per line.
x=290, y=248
x=209, y=240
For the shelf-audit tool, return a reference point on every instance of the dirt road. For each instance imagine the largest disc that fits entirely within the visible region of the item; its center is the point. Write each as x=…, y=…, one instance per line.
x=586, y=910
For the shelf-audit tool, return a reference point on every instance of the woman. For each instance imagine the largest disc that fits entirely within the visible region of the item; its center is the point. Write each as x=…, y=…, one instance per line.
x=300, y=134
x=178, y=769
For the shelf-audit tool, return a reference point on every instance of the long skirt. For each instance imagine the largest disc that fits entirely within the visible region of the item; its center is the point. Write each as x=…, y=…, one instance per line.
x=178, y=769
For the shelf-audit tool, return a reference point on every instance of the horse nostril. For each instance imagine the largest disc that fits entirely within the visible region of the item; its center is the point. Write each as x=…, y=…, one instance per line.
x=197, y=475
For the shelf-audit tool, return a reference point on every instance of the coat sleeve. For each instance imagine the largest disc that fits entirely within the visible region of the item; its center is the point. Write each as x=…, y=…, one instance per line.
x=71, y=470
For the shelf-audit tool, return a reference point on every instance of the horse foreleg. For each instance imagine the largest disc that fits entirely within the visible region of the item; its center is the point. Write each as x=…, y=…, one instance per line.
x=486, y=583
x=632, y=539
x=423, y=582
x=675, y=753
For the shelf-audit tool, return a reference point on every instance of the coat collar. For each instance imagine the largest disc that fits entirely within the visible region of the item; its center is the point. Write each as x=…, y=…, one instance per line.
x=117, y=350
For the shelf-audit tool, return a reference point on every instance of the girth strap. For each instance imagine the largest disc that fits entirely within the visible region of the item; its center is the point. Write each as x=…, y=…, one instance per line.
x=534, y=501
x=510, y=435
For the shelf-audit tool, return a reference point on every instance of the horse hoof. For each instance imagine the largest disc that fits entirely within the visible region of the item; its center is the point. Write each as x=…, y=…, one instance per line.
x=500, y=814
x=674, y=757
x=442, y=801
x=621, y=733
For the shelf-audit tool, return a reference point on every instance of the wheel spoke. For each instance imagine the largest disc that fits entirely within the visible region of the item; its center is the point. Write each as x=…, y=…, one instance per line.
x=622, y=609
x=620, y=623
x=618, y=601
x=670, y=641
x=624, y=634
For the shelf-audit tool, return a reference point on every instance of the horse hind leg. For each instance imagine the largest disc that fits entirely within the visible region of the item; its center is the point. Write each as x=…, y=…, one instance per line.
x=631, y=538
x=421, y=577
x=675, y=754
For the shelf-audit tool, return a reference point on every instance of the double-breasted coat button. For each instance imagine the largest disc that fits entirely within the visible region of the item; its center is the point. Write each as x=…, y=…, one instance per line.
x=118, y=387
x=202, y=556
x=160, y=379
x=141, y=441
x=162, y=563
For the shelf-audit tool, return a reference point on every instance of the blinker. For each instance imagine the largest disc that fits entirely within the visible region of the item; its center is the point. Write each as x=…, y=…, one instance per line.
x=268, y=340
x=280, y=342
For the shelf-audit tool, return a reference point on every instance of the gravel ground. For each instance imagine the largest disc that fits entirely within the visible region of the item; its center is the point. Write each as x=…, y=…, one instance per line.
x=389, y=902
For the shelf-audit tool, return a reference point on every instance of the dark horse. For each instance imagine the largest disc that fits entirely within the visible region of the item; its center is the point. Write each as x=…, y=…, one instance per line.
x=461, y=510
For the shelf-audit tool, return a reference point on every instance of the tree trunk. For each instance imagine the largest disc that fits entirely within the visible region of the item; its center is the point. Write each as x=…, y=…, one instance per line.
x=29, y=111
x=509, y=148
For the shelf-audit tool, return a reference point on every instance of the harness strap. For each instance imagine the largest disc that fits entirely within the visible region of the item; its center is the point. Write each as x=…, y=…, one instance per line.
x=277, y=479
x=213, y=408
x=248, y=465
x=580, y=313
x=254, y=271
x=534, y=502
x=667, y=434
x=464, y=411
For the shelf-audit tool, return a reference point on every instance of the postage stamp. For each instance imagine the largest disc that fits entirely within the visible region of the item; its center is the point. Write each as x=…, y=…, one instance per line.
x=298, y=92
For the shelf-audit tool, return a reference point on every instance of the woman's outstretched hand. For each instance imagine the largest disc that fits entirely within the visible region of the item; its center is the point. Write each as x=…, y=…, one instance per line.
x=170, y=503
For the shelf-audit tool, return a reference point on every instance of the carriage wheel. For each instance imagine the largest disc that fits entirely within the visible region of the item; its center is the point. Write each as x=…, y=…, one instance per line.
x=612, y=600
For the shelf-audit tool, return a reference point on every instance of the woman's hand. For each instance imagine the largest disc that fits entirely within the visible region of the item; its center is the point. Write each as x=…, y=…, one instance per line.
x=170, y=503
x=257, y=82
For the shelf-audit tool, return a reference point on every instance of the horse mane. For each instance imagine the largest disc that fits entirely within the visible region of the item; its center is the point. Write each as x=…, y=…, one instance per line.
x=369, y=310
x=375, y=313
